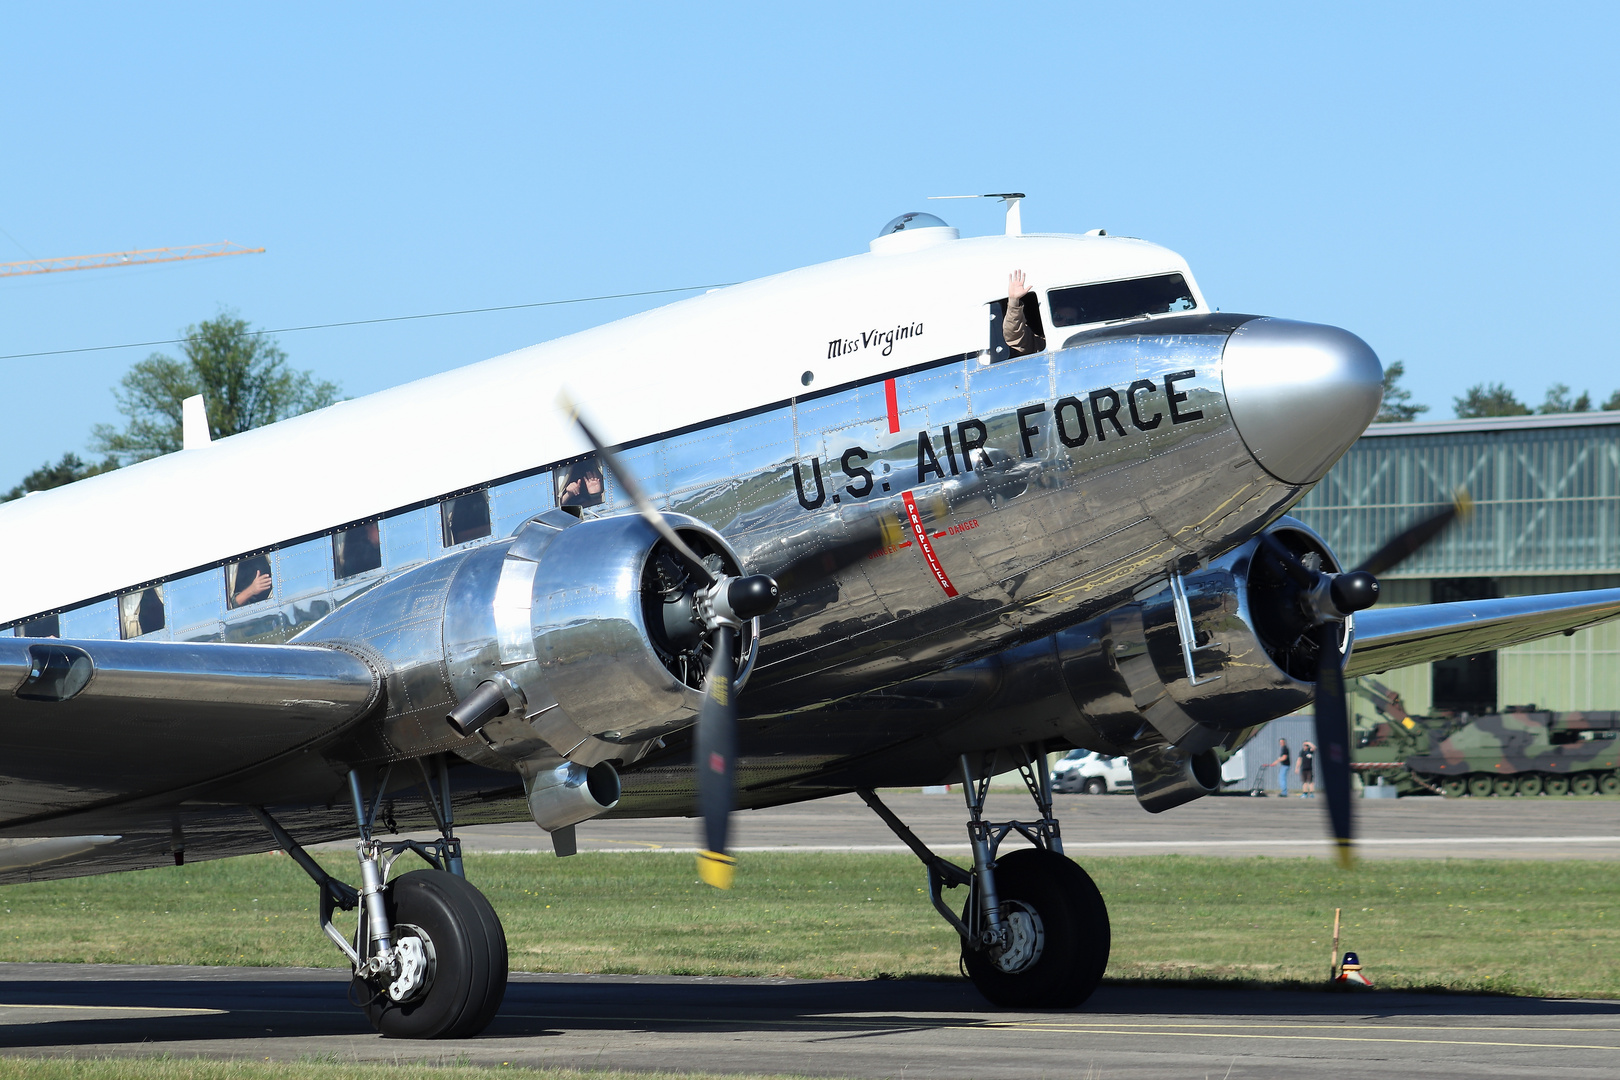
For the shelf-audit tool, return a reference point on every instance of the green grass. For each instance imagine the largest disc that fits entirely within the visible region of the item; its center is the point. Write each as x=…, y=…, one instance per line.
x=171, y=1068
x=1510, y=926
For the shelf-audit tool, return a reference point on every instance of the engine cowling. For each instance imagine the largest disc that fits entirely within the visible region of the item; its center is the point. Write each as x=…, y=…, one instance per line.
x=1217, y=652
x=587, y=627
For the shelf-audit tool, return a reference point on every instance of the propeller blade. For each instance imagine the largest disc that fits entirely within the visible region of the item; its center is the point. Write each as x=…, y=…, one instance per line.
x=1408, y=542
x=643, y=505
x=716, y=756
x=1333, y=736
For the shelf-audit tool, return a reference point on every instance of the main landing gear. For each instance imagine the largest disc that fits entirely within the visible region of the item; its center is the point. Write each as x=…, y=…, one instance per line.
x=428, y=951
x=1034, y=930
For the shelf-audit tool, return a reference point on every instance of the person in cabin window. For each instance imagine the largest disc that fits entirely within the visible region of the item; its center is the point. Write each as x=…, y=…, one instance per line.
x=249, y=580
x=583, y=485
x=1021, y=326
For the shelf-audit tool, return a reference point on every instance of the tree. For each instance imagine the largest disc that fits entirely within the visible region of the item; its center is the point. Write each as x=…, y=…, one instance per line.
x=1489, y=400
x=1558, y=401
x=48, y=476
x=1613, y=403
x=242, y=375
x=1397, y=406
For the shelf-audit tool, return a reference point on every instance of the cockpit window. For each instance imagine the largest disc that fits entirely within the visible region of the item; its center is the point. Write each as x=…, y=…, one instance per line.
x=1112, y=301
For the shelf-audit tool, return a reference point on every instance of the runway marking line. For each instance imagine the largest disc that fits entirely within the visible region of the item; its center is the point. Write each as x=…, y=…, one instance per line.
x=986, y=1025
x=120, y=1008
x=1098, y=845
x=1323, y=1038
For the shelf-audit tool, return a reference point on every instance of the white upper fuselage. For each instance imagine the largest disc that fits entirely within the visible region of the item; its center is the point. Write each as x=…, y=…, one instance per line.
x=696, y=361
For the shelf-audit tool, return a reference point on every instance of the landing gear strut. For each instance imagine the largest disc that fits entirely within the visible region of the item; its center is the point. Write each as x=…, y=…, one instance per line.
x=428, y=952
x=1034, y=930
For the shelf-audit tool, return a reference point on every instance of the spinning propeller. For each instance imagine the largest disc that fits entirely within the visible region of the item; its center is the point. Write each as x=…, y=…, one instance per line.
x=723, y=604
x=1325, y=600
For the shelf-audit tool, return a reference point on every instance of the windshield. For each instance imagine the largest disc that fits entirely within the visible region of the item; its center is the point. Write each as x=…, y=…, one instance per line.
x=1111, y=301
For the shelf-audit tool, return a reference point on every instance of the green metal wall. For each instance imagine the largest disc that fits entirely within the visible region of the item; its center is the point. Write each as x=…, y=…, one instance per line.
x=1547, y=519
x=1546, y=498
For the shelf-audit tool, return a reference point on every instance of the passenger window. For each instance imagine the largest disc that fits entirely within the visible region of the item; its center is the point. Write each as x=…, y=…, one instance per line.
x=140, y=612
x=580, y=485
x=1034, y=334
x=356, y=550
x=248, y=581
x=1114, y=301
x=465, y=518
x=49, y=626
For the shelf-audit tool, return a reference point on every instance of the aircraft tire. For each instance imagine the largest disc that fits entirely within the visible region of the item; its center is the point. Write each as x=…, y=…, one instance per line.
x=1065, y=936
x=1556, y=785
x=1584, y=783
x=467, y=976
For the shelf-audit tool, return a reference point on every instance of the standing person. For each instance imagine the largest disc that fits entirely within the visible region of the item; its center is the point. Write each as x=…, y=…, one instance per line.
x=1307, y=770
x=1283, y=761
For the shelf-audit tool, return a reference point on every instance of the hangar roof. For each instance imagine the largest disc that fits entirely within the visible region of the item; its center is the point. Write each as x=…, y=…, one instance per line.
x=1546, y=493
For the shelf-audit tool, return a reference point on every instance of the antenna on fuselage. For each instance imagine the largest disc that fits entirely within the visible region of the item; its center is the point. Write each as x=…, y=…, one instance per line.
x=1015, y=222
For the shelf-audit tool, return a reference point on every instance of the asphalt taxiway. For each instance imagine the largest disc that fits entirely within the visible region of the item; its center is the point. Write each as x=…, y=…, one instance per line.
x=1099, y=825
x=816, y=1028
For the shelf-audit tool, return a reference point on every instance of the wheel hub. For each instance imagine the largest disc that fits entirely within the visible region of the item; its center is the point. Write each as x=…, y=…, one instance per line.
x=1026, y=937
x=414, y=953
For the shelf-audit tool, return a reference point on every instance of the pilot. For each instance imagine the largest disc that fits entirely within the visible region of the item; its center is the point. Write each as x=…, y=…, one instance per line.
x=1020, y=328
x=251, y=581
x=583, y=487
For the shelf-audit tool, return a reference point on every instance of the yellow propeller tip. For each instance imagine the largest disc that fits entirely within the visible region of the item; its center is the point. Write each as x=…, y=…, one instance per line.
x=1463, y=502
x=716, y=868
x=1346, y=853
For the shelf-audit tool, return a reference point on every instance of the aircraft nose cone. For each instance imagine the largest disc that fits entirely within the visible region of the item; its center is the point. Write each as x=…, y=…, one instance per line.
x=1299, y=393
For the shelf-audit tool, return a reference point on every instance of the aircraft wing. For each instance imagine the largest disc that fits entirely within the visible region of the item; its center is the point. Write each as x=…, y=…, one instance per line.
x=1395, y=637
x=84, y=723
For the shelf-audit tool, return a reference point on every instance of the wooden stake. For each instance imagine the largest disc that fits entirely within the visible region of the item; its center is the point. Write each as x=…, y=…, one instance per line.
x=1333, y=960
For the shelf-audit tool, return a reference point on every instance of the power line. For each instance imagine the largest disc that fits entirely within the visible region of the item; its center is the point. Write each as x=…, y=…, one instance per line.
x=369, y=322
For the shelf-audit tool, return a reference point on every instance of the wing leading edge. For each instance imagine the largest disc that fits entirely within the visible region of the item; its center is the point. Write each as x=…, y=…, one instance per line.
x=1396, y=637
x=87, y=723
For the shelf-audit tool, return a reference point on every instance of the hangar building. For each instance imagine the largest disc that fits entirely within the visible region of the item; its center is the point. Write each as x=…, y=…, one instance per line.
x=1546, y=492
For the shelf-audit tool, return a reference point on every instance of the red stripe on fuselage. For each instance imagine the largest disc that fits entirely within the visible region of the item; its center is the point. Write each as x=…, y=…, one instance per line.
x=921, y=533
x=894, y=406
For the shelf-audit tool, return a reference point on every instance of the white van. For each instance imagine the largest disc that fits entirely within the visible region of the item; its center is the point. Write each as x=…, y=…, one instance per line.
x=1092, y=773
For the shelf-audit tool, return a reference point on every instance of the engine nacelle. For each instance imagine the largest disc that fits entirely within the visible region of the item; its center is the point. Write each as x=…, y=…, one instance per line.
x=1220, y=647
x=587, y=628
x=1165, y=677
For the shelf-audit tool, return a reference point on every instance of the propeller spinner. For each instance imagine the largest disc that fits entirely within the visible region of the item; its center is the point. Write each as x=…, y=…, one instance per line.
x=722, y=605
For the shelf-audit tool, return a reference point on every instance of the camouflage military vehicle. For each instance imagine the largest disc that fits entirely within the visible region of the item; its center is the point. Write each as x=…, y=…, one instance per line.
x=1521, y=751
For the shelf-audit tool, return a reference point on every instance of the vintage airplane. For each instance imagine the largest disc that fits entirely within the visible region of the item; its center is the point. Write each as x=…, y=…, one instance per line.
x=927, y=558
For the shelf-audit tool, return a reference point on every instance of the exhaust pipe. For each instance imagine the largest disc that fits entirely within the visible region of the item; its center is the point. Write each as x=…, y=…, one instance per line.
x=1167, y=776
x=570, y=793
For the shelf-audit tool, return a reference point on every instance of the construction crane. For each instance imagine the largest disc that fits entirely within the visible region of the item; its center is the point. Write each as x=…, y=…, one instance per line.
x=125, y=258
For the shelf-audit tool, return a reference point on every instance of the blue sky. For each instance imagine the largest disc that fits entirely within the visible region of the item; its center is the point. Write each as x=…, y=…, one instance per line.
x=1438, y=179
